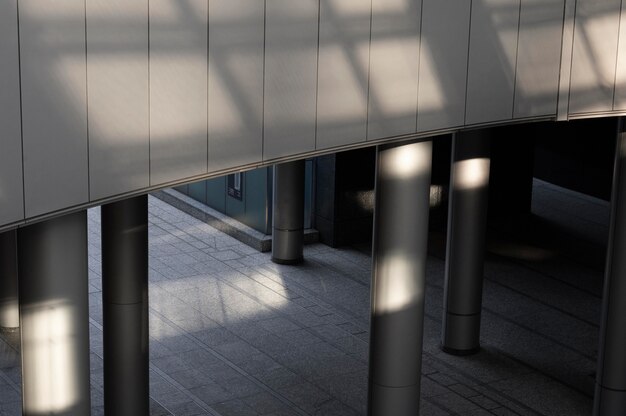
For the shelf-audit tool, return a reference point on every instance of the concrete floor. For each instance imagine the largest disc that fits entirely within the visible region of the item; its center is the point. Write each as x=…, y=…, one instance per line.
x=233, y=334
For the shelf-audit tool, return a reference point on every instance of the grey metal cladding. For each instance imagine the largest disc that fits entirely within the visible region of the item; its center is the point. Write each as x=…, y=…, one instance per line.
x=443, y=64
x=538, y=57
x=54, y=104
x=343, y=72
x=11, y=186
x=117, y=74
x=394, y=67
x=493, y=54
x=178, y=89
x=594, y=56
x=291, y=43
x=620, y=77
x=236, y=45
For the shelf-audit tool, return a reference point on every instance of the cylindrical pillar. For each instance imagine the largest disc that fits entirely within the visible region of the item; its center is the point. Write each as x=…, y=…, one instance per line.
x=610, y=398
x=9, y=306
x=467, y=216
x=125, y=307
x=288, y=213
x=54, y=316
x=398, y=278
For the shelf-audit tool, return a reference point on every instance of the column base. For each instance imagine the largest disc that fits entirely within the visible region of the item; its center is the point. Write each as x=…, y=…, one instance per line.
x=609, y=402
x=396, y=401
x=461, y=334
x=287, y=246
x=460, y=353
x=290, y=262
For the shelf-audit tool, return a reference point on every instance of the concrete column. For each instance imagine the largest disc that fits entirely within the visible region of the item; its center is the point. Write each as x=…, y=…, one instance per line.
x=288, y=213
x=9, y=307
x=610, y=398
x=125, y=307
x=54, y=314
x=467, y=216
x=398, y=277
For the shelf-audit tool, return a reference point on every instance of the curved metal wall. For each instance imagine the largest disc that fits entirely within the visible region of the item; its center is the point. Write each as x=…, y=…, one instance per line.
x=105, y=98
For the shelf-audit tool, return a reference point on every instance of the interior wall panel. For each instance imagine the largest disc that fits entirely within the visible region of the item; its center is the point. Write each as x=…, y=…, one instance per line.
x=117, y=74
x=443, y=64
x=54, y=104
x=291, y=46
x=178, y=89
x=11, y=186
x=620, y=76
x=236, y=43
x=539, y=57
x=343, y=72
x=594, y=56
x=394, y=57
x=492, y=60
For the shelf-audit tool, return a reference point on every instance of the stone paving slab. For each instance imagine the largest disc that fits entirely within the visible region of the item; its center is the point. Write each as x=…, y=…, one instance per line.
x=233, y=334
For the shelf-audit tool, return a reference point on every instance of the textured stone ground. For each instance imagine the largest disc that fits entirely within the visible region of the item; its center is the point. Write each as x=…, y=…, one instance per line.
x=233, y=334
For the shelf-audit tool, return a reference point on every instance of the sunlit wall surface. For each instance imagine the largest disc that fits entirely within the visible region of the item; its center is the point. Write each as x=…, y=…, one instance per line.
x=178, y=89
x=236, y=45
x=443, y=64
x=54, y=105
x=344, y=53
x=99, y=99
x=117, y=85
x=594, y=56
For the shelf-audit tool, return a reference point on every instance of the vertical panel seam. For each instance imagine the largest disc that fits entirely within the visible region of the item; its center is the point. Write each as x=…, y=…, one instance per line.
x=317, y=72
x=558, y=93
x=369, y=74
x=469, y=50
x=87, y=108
x=519, y=23
x=617, y=54
x=419, y=64
x=208, y=37
x=149, y=105
x=264, y=79
x=19, y=65
x=569, y=92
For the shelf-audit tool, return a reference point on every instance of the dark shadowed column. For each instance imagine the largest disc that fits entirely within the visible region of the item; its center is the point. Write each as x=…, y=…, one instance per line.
x=467, y=216
x=610, y=398
x=54, y=315
x=125, y=307
x=398, y=277
x=288, y=213
x=9, y=307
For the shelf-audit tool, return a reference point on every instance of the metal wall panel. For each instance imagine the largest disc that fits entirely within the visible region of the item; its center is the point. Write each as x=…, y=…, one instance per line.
x=443, y=64
x=236, y=42
x=394, y=67
x=493, y=53
x=620, y=76
x=11, y=185
x=117, y=74
x=567, y=47
x=54, y=104
x=343, y=72
x=178, y=89
x=291, y=46
x=539, y=58
x=594, y=56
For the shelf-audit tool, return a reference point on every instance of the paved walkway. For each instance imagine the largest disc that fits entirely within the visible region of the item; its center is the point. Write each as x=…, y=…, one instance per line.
x=233, y=334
